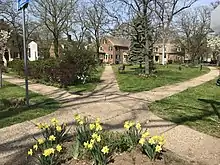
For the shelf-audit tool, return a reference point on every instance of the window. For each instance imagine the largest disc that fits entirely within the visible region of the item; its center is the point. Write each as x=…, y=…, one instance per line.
x=13, y=42
x=29, y=52
x=156, y=58
x=117, y=48
x=111, y=56
x=110, y=48
x=101, y=48
x=106, y=56
x=156, y=49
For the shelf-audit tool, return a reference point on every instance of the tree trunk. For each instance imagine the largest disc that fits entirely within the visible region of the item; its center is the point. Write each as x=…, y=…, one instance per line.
x=147, y=67
x=56, y=47
x=1, y=81
x=163, y=51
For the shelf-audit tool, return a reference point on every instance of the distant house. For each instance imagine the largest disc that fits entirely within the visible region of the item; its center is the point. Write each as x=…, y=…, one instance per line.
x=114, y=50
x=173, y=52
x=33, y=51
x=14, y=47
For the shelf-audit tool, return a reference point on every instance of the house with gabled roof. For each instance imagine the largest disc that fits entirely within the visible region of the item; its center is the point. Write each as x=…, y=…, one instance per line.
x=114, y=49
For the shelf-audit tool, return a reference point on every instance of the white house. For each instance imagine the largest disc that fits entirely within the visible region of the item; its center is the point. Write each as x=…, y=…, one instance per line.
x=33, y=51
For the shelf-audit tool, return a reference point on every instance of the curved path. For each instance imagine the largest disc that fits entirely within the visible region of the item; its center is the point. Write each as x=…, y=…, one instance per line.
x=115, y=107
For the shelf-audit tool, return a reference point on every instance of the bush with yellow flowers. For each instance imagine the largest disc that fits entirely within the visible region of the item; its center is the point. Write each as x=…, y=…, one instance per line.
x=152, y=146
x=89, y=136
x=131, y=136
x=48, y=148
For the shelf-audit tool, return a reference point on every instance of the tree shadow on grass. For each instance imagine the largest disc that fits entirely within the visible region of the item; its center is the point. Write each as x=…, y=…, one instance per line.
x=12, y=111
x=214, y=104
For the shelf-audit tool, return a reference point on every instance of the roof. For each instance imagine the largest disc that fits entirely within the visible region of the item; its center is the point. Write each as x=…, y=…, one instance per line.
x=116, y=41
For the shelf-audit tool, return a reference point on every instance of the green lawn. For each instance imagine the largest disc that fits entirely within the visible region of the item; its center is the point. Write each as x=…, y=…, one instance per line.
x=197, y=107
x=89, y=86
x=40, y=106
x=130, y=81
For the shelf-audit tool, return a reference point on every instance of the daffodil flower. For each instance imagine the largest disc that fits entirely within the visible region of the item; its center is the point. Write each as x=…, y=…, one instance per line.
x=40, y=141
x=105, y=150
x=138, y=126
x=30, y=152
x=158, y=148
x=91, y=126
x=48, y=152
x=35, y=147
x=142, y=141
x=52, y=138
x=58, y=128
x=58, y=148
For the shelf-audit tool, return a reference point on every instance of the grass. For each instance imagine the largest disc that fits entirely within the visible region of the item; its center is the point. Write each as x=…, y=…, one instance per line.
x=40, y=106
x=198, y=108
x=89, y=86
x=130, y=81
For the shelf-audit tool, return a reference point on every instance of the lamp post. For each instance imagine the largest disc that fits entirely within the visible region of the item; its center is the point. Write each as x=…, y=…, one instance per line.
x=22, y=4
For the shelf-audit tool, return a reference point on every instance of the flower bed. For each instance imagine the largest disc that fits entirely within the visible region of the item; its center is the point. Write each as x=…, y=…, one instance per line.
x=91, y=144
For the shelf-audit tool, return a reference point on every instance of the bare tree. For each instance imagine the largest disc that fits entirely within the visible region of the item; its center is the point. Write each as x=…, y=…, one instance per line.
x=166, y=10
x=54, y=14
x=4, y=36
x=96, y=21
x=192, y=32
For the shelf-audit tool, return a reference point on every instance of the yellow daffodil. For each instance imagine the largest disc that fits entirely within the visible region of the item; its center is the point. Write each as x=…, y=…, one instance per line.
x=81, y=122
x=131, y=124
x=48, y=152
x=54, y=121
x=58, y=128
x=98, y=127
x=92, y=141
x=40, y=141
x=58, y=148
x=86, y=144
x=105, y=150
x=94, y=135
x=52, y=138
x=151, y=141
x=90, y=146
x=77, y=117
x=30, y=152
x=46, y=126
x=145, y=134
x=127, y=125
x=158, y=148
x=138, y=126
x=161, y=140
x=98, y=139
x=97, y=120
x=142, y=141
x=91, y=126
x=40, y=125
x=35, y=147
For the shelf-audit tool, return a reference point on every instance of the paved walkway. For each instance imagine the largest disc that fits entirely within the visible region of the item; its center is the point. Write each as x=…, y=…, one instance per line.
x=115, y=107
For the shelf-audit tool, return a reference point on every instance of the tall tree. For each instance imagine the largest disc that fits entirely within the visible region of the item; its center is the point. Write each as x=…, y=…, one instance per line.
x=97, y=20
x=4, y=36
x=166, y=10
x=54, y=14
x=193, y=28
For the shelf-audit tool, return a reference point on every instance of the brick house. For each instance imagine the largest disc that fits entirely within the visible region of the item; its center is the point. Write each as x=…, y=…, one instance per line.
x=114, y=50
x=173, y=53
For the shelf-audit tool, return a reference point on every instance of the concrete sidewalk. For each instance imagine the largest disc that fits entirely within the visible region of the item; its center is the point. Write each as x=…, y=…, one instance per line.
x=115, y=107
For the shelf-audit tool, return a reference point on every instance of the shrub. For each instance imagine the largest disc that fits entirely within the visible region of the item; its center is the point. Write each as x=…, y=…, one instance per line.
x=75, y=65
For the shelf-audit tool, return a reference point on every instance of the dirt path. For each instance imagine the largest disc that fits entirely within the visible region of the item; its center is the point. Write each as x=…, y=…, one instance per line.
x=115, y=107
